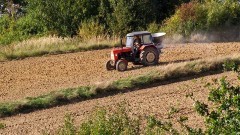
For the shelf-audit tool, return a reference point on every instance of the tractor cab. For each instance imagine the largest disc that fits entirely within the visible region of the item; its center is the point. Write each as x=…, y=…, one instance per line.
x=145, y=37
x=146, y=53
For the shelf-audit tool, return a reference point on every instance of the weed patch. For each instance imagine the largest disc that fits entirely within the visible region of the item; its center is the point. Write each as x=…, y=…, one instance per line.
x=2, y=125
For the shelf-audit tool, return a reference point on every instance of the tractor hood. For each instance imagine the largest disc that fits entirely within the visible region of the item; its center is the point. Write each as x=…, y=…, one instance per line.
x=120, y=50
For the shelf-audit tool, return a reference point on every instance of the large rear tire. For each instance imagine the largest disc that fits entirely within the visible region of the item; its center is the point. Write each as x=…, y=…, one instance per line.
x=110, y=65
x=149, y=56
x=122, y=65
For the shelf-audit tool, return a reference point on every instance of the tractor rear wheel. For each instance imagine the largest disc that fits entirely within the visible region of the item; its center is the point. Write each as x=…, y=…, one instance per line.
x=122, y=65
x=110, y=65
x=149, y=56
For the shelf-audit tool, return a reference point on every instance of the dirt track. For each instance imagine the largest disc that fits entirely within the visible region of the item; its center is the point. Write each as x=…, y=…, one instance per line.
x=40, y=75
x=155, y=101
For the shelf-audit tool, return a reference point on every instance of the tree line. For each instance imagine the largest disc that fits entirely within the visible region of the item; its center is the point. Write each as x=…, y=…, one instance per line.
x=24, y=18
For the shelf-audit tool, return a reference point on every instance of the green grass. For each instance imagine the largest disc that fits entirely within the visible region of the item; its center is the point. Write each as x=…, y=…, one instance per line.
x=2, y=125
x=45, y=101
x=166, y=73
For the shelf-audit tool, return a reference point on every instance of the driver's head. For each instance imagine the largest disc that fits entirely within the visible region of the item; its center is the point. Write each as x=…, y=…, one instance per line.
x=137, y=37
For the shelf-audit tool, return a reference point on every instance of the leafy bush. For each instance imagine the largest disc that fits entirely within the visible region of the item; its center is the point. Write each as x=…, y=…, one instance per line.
x=201, y=16
x=102, y=122
x=157, y=127
x=62, y=16
x=68, y=128
x=6, y=30
x=5, y=23
x=116, y=122
x=12, y=30
x=223, y=117
x=30, y=26
x=223, y=13
x=90, y=29
x=153, y=27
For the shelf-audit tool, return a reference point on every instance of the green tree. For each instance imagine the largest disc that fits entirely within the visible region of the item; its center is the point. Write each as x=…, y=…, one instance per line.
x=135, y=15
x=66, y=17
x=63, y=17
x=104, y=16
x=129, y=15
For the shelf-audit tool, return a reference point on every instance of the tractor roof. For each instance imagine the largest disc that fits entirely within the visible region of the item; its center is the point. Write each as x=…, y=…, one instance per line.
x=138, y=33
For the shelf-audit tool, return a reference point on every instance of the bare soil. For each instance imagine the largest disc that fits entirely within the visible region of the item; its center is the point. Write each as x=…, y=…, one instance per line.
x=40, y=75
x=155, y=101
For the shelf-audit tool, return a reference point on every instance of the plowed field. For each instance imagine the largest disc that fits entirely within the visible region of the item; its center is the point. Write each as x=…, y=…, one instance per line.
x=40, y=75
x=155, y=101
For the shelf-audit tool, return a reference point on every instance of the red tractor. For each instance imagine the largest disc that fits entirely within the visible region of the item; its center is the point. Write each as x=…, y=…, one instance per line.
x=141, y=48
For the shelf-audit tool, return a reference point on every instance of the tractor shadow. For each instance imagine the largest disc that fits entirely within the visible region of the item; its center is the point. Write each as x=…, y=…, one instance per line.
x=136, y=67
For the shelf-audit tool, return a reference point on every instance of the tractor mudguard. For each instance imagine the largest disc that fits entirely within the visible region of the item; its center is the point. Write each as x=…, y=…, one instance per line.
x=145, y=46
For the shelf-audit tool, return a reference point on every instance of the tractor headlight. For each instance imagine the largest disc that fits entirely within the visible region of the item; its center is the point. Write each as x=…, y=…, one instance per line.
x=112, y=56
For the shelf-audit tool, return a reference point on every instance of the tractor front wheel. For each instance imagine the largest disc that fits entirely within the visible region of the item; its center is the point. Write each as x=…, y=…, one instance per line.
x=110, y=65
x=149, y=56
x=122, y=65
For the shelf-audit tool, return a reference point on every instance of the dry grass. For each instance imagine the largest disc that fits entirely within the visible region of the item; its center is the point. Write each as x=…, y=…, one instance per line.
x=52, y=45
x=199, y=65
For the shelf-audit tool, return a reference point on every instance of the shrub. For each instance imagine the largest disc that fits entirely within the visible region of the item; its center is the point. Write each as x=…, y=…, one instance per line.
x=90, y=29
x=224, y=13
x=157, y=127
x=201, y=16
x=153, y=27
x=5, y=23
x=7, y=33
x=29, y=26
x=189, y=17
x=68, y=128
x=116, y=122
x=223, y=117
x=102, y=122
x=12, y=30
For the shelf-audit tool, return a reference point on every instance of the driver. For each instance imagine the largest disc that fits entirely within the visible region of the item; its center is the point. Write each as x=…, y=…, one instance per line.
x=137, y=41
x=137, y=44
